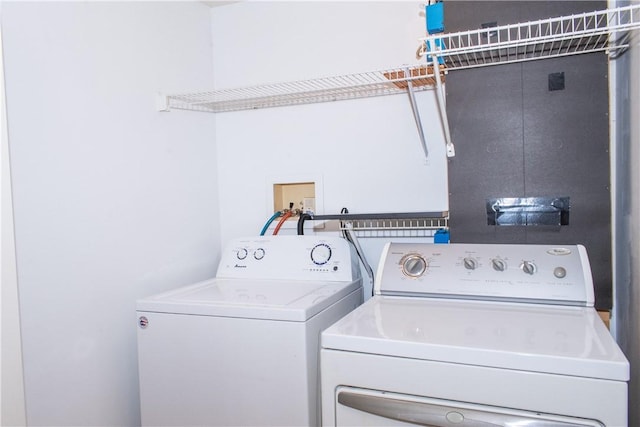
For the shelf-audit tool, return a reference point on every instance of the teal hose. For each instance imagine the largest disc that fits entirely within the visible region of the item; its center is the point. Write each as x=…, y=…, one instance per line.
x=268, y=223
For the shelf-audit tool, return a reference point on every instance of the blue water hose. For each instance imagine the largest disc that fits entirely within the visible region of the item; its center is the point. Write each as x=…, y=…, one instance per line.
x=269, y=221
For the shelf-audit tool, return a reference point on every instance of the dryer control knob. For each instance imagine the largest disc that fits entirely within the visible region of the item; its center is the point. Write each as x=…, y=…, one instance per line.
x=499, y=264
x=413, y=265
x=470, y=263
x=528, y=267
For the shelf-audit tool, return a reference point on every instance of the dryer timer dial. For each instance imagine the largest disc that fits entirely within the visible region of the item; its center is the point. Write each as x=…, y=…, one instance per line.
x=413, y=265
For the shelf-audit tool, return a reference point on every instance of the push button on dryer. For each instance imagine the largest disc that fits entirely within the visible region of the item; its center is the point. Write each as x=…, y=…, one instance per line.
x=560, y=272
x=455, y=417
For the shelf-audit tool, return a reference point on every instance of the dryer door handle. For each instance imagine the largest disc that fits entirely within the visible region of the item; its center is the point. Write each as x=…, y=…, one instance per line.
x=442, y=415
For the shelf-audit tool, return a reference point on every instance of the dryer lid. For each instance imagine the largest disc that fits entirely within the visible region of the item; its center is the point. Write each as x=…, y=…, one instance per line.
x=254, y=299
x=527, y=337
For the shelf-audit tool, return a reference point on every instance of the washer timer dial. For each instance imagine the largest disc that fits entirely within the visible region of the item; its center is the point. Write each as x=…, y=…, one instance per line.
x=321, y=254
x=413, y=265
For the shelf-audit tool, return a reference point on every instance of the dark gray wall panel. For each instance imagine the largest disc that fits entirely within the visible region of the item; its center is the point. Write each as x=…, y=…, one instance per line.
x=488, y=136
x=567, y=153
x=515, y=138
x=532, y=10
x=469, y=15
x=567, y=131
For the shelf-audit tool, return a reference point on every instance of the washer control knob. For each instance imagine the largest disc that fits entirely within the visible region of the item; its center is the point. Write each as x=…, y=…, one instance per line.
x=528, y=267
x=560, y=272
x=258, y=254
x=242, y=253
x=470, y=263
x=413, y=265
x=321, y=254
x=499, y=264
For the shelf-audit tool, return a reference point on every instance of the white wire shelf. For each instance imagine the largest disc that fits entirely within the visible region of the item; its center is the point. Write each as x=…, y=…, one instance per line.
x=352, y=86
x=598, y=31
x=589, y=32
x=413, y=227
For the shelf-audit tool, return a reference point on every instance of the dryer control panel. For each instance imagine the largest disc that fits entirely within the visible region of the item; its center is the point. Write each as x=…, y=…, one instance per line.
x=290, y=258
x=527, y=273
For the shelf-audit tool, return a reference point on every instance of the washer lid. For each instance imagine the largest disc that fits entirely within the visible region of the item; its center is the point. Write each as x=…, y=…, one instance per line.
x=527, y=337
x=253, y=299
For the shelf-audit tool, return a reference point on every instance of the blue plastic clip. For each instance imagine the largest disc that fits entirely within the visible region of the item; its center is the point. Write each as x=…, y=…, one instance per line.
x=435, y=17
x=438, y=44
x=441, y=236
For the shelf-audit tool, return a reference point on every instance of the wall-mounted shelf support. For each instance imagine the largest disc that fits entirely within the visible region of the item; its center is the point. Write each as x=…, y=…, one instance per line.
x=162, y=102
x=416, y=115
x=442, y=107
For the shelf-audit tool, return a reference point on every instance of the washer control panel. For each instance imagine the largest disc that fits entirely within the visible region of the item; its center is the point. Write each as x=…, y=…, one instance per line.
x=290, y=258
x=528, y=273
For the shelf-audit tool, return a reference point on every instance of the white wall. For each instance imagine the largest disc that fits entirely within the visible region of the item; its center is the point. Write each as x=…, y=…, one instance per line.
x=12, y=404
x=627, y=219
x=113, y=200
x=365, y=153
x=632, y=343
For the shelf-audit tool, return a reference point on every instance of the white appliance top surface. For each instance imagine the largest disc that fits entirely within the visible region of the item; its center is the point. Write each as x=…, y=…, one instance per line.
x=254, y=299
x=269, y=277
x=553, y=339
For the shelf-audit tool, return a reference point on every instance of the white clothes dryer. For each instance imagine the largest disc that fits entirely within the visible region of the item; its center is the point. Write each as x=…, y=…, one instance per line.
x=243, y=348
x=475, y=335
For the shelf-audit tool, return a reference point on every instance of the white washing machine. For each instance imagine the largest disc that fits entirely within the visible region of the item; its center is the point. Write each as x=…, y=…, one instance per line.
x=475, y=335
x=242, y=349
